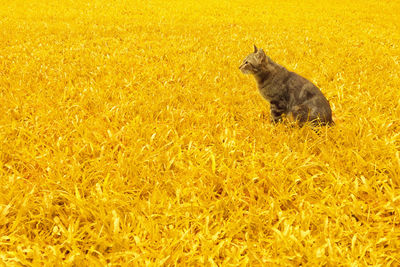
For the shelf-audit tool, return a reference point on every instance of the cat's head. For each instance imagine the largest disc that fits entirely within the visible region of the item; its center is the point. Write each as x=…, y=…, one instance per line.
x=253, y=63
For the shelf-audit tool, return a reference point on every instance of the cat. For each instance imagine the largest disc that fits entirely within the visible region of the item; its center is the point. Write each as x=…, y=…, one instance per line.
x=288, y=93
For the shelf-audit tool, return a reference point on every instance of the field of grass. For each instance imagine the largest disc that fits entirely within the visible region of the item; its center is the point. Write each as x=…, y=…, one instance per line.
x=128, y=136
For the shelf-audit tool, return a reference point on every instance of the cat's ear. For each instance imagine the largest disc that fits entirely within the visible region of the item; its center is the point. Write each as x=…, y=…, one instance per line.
x=261, y=55
x=255, y=49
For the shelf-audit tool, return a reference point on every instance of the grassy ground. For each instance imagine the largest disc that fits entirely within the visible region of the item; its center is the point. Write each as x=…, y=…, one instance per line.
x=129, y=136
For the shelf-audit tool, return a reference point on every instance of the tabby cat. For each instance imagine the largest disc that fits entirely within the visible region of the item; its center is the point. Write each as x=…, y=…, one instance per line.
x=288, y=93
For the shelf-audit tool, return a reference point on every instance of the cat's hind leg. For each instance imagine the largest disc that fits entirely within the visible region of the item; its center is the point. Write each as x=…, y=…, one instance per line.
x=300, y=113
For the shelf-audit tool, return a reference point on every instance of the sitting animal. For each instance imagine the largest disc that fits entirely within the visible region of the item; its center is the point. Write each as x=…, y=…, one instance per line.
x=288, y=93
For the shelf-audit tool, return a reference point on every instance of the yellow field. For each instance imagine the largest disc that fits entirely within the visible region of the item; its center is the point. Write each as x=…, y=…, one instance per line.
x=128, y=136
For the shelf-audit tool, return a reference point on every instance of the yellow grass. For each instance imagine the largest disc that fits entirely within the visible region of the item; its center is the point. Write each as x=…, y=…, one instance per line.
x=128, y=136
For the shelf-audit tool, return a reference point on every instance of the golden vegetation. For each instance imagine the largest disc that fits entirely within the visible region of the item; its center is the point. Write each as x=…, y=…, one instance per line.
x=129, y=136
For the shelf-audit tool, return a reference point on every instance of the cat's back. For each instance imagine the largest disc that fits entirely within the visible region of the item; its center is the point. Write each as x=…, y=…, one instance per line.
x=302, y=87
